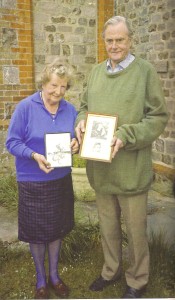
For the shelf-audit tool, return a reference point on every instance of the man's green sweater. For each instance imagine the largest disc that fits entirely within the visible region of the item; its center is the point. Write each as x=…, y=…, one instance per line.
x=135, y=95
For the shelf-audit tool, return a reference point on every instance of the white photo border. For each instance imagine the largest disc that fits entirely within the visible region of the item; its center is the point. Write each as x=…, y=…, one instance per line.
x=58, y=150
x=99, y=131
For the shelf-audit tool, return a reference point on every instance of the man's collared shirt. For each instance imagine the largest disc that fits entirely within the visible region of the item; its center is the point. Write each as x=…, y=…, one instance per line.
x=122, y=65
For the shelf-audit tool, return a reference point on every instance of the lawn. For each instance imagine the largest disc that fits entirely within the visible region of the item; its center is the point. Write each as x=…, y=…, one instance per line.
x=81, y=262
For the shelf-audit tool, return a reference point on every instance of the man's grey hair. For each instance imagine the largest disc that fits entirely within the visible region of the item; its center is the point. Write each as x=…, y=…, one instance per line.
x=116, y=20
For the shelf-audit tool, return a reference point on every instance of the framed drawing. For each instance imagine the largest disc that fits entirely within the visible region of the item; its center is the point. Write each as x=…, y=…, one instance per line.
x=58, y=150
x=99, y=131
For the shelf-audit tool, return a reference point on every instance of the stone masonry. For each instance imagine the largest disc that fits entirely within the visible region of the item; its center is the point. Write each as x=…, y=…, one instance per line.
x=154, y=39
x=66, y=28
x=34, y=32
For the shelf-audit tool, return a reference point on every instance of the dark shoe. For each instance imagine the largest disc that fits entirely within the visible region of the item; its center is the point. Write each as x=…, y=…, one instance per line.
x=132, y=293
x=100, y=283
x=59, y=288
x=42, y=293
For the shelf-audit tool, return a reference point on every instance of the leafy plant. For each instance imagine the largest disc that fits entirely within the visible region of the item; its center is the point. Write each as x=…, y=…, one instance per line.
x=78, y=162
x=79, y=241
x=162, y=260
x=8, y=192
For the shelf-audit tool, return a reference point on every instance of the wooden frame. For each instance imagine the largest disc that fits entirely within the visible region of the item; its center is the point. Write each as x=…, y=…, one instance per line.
x=96, y=144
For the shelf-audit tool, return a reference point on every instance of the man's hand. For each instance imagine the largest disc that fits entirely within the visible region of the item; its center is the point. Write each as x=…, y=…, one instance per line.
x=74, y=146
x=80, y=129
x=44, y=165
x=116, y=144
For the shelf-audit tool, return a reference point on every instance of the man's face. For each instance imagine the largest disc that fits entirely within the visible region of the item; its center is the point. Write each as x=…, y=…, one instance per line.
x=117, y=42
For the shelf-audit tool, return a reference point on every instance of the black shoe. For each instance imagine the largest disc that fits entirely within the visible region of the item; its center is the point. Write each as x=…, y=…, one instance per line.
x=132, y=293
x=100, y=283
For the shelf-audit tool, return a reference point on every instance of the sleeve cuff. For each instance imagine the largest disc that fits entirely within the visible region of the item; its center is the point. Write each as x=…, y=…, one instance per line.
x=120, y=136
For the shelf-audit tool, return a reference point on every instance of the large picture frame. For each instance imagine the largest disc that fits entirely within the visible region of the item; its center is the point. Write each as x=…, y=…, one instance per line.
x=99, y=131
x=58, y=150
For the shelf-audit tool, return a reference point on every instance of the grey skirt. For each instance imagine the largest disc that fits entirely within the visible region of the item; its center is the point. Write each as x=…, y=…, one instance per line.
x=46, y=210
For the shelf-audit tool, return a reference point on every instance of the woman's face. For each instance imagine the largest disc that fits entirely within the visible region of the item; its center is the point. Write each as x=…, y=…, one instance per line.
x=54, y=90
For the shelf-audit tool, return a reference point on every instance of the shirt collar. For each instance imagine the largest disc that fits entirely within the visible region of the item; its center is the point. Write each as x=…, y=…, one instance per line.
x=122, y=65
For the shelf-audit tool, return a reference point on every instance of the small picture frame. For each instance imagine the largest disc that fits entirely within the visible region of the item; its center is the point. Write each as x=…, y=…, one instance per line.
x=99, y=131
x=58, y=150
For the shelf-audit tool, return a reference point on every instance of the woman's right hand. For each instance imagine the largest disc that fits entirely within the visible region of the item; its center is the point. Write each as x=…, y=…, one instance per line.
x=44, y=165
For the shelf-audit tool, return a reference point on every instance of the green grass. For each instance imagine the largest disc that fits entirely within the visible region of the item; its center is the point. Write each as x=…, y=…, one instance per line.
x=78, y=162
x=9, y=189
x=81, y=262
x=162, y=264
x=8, y=192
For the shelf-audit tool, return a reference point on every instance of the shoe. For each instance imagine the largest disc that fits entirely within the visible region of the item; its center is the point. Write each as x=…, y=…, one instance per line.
x=59, y=288
x=42, y=293
x=132, y=293
x=100, y=283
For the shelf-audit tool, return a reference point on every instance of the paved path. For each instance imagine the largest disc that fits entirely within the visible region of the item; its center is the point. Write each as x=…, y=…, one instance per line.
x=161, y=218
x=8, y=225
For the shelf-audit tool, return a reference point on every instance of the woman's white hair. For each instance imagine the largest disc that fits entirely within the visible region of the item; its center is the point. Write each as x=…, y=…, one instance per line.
x=116, y=20
x=60, y=67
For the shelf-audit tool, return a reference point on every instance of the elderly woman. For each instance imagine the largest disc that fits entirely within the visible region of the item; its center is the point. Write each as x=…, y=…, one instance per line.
x=46, y=201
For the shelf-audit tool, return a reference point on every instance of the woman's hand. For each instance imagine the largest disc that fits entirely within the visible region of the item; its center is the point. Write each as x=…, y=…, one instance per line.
x=74, y=146
x=44, y=165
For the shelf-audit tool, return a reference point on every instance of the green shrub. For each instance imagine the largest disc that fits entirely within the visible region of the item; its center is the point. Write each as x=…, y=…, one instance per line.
x=78, y=162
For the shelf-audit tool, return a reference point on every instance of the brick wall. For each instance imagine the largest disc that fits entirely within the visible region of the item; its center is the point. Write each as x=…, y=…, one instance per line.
x=104, y=12
x=16, y=60
x=154, y=39
x=16, y=65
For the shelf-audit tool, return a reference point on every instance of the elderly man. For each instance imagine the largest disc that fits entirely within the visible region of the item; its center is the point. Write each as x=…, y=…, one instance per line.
x=129, y=87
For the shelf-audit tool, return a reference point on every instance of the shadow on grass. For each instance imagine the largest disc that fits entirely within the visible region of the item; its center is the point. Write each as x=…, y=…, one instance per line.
x=81, y=262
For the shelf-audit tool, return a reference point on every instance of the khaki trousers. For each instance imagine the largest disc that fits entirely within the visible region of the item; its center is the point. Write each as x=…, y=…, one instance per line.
x=134, y=211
